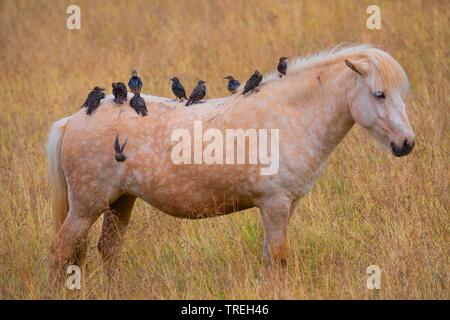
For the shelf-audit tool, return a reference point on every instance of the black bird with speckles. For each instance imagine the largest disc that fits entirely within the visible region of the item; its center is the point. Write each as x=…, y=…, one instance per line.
x=135, y=83
x=138, y=104
x=282, y=66
x=178, y=89
x=253, y=82
x=93, y=99
x=198, y=93
x=233, y=84
x=119, y=154
x=119, y=91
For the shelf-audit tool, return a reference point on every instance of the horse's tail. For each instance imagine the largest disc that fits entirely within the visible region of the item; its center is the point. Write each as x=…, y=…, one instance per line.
x=56, y=174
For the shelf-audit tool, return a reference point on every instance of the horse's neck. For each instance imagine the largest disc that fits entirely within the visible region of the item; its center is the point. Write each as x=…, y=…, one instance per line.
x=327, y=116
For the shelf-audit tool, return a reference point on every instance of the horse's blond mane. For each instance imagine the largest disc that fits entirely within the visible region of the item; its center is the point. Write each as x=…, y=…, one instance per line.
x=384, y=71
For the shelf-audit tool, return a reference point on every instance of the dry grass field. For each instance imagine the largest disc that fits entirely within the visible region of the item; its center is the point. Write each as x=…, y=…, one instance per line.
x=369, y=208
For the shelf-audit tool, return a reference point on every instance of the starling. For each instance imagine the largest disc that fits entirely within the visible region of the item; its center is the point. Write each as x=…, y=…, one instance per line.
x=233, y=84
x=253, y=82
x=93, y=99
x=138, y=104
x=119, y=154
x=178, y=89
x=119, y=91
x=198, y=93
x=135, y=82
x=282, y=66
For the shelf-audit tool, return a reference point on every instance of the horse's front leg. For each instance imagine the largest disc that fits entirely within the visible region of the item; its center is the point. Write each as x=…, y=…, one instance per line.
x=114, y=225
x=276, y=213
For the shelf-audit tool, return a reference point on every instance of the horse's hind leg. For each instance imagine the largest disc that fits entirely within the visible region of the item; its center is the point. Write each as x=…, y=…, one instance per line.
x=79, y=254
x=70, y=241
x=111, y=239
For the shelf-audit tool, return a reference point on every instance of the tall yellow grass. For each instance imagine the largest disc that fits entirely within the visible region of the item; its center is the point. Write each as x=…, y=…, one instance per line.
x=369, y=208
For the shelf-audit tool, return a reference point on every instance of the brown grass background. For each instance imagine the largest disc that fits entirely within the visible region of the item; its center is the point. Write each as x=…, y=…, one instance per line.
x=368, y=208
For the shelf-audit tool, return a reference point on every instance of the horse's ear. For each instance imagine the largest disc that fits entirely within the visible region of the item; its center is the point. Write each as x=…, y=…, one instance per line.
x=357, y=67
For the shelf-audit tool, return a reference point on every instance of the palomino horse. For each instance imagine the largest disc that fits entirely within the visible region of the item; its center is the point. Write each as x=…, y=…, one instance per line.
x=313, y=108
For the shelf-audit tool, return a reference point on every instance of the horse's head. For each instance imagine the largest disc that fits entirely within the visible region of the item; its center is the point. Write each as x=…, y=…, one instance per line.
x=378, y=101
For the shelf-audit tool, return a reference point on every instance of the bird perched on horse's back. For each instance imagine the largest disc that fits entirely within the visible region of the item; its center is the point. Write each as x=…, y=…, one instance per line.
x=233, y=84
x=93, y=99
x=119, y=91
x=135, y=83
x=138, y=104
x=178, y=89
x=198, y=93
x=253, y=82
x=282, y=66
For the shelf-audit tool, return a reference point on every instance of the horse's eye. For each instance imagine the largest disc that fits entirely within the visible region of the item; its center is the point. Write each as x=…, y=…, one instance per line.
x=379, y=95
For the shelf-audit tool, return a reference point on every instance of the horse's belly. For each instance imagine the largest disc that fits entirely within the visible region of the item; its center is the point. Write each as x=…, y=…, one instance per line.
x=197, y=205
x=198, y=209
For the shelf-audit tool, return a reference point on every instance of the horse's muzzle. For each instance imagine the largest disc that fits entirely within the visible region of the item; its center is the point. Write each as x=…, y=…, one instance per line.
x=404, y=149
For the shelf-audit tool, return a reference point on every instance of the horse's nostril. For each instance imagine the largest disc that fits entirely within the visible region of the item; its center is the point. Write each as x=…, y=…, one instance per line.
x=405, y=143
x=408, y=145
